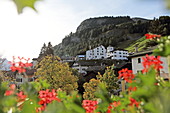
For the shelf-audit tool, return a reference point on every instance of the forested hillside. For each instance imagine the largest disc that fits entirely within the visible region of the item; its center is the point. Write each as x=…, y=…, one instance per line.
x=119, y=32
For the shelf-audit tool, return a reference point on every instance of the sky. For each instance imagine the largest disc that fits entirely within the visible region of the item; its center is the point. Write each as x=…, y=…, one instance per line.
x=24, y=34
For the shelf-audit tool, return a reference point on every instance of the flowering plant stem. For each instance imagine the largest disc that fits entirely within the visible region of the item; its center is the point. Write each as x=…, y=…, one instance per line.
x=169, y=66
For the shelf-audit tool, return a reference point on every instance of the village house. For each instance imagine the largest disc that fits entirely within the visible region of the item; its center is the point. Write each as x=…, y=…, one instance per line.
x=80, y=57
x=29, y=77
x=117, y=54
x=80, y=67
x=4, y=64
x=96, y=53
x=109, y=53
x=137, y=66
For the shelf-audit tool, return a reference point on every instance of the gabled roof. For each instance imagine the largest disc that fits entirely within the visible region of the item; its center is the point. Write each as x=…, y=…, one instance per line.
x=30, y=71
x=140, y=54
x=96, y=68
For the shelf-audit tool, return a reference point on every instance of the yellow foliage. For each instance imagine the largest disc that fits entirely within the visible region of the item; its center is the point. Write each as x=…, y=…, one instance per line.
x=58, y=74
x=90, y=89
x=108, y=78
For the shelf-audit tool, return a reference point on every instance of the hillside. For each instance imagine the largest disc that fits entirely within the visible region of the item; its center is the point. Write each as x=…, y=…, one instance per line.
x=119, y=32
x=141, y=44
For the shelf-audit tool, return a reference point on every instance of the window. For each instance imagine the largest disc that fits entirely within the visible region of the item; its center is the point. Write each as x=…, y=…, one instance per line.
x=30, y=79
x=19, y=80
x=139, y=60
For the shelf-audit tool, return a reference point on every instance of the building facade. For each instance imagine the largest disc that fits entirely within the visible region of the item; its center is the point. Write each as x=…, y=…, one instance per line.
x=138, y=67
x=110, y=50
x=120, y=55
x=96, y=53
x=80, y=68
x=101, y=53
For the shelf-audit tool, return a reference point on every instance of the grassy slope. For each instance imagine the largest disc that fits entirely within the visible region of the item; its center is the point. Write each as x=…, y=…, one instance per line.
x=141, y=43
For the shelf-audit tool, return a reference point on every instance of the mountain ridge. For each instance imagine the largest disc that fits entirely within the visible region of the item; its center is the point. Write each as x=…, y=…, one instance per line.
x=119, y=32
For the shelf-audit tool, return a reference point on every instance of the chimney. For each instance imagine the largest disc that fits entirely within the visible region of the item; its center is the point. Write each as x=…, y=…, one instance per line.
x=89, y=46
x=136, y=48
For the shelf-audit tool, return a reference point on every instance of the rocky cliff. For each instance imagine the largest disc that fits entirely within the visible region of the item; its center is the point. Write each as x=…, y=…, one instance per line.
x=119, y=32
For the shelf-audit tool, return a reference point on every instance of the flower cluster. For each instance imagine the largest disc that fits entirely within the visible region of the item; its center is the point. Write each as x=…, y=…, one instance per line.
x=152, y=36
x=20, y=65
x=132, y=88
x=11, y=91
x=112, y=106
x=89, y=105
x=134, y=102
x=21, y=96
x=126, y=74
x=46, y=97
x=149, y=61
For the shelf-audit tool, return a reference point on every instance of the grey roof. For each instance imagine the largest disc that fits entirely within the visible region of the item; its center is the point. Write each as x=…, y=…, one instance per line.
x=4, y=64
x=140, y=54
x=96, y=68
x=88, y=63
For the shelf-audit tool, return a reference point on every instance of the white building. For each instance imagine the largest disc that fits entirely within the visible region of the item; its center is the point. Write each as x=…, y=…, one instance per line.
x=116, y=54
x=80, y=57
x=81, y=68
x=20, y=79
x=109, y=51
x=120, y=55
x=101, y=53
x=138, y=67
x=96, y=53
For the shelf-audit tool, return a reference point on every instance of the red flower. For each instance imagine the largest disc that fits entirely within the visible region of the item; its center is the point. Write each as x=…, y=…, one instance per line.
x=132, y=88
x=12, y=86
x=134, y=102
x=21, y=96
x=113, y=105
x=20, y=66
x=152, y=36
x=126, y=74
x=149, y=61
x=11, y=90
x=89, y=105
x=47, y=97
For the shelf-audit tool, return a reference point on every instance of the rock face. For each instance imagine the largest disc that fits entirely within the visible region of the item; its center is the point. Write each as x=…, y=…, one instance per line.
x=99, y=22
x=119, y=32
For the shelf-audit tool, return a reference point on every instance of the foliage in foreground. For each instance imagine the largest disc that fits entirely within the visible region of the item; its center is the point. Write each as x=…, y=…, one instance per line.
x=57, y=74
x=108, y=78
x=147, y=93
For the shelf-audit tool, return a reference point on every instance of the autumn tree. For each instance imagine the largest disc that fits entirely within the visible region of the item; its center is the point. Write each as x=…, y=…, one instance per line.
x=57, y=74
x=108, y=78
x=90, y=89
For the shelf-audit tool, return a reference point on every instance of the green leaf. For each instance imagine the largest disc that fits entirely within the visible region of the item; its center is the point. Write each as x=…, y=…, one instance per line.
x=21, y=4
x=29, y=107
x=56, y=107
